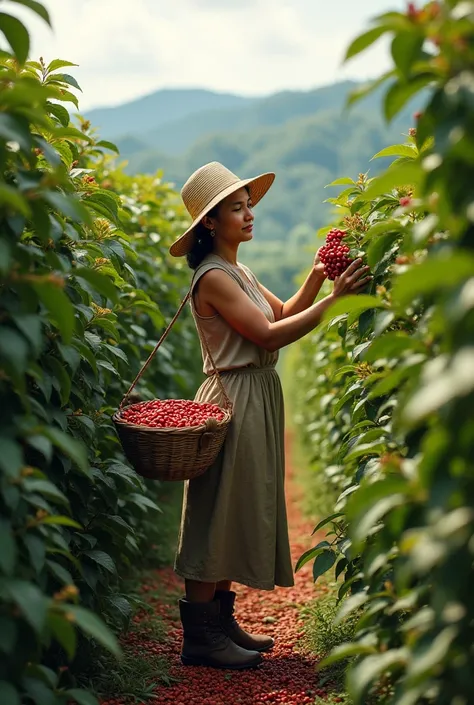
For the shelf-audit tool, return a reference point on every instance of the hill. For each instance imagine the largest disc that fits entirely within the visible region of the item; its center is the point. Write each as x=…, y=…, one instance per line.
x=138, y=117
x=306, y=137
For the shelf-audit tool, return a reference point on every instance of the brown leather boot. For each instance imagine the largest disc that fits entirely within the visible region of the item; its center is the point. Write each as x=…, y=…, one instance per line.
x=257, y=642
x=205, y=642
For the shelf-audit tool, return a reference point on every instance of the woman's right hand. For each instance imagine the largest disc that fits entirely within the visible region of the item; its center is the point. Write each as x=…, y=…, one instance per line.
x=352, y=280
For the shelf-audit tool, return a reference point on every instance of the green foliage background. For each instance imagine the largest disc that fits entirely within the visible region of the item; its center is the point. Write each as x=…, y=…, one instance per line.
x=385, y=389
x=85, y=290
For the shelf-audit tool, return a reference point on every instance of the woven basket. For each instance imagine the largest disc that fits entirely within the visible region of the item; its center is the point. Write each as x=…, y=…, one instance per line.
x=172, y=453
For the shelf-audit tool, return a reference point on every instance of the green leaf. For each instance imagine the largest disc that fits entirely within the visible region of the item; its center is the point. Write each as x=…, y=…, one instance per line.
x=345, y=181
x=428, y=658
x=397, y=150
x=432, y=276
x=344, y=651
x=367, y=88
x=82, y=697
x=90, y=624
x=144, y=502
x=68, y=97
x=13, y=201
x=16, y=35
x=362, y=676
x=379, y=247
x=108, y=145
x=60, y=520
x=59, y=307
x=8, y=634
x=56, y=64
x=122, y=605
x=103, y=203
x=392, y=345
x=8, y=548
x=45, y=487
x=327, y=520
x=398, y=175
x=64, y=151
x=104, y=363
x=310, y=554
x=14, y=349
x=100, y=282
x=400, y=93
x=31, y=327
x=9, y=694
x=43, y=673
x=101, y=558
x=64, y=632
x=70, y=355
x=360, y=450
x=363, y=41
x=60, y=112
x=62, y=381
x=15, y=129
x=356, y=302
x=11, y=457
x=394, y=379
x=352, y=603
x=69, y=206
x=70, y=446
x=72, y=133
x=372, y=516
x=406, y=48
x=31, y=601
x=323, y=563
x=36, y=549
x=66, y=78
x=443, y=382
x=38, y=691
x=59, y=572
x=37, y=7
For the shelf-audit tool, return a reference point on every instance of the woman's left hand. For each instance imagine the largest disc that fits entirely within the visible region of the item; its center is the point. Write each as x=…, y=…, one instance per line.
x=318, y=266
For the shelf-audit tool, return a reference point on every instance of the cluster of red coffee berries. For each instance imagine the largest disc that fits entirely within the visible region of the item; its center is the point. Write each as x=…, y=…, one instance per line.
x=334, y=254
x=171, y=413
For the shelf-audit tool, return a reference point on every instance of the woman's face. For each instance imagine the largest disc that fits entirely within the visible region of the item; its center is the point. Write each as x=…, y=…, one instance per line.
x=234, y=221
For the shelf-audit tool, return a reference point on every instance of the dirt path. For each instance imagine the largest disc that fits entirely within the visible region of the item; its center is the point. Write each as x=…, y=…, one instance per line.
x=287, y=674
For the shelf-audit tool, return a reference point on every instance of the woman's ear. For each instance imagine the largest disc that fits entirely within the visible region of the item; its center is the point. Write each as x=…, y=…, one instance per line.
x=207, y=222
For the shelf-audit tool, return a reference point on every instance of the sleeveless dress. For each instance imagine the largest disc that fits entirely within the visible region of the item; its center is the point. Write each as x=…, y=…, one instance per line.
x=233, y=523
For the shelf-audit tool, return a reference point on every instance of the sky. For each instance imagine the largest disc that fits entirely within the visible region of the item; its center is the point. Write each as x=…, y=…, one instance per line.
x=129, y=48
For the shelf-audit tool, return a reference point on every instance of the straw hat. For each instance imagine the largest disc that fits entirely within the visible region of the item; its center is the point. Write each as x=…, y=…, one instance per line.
x=204, y=189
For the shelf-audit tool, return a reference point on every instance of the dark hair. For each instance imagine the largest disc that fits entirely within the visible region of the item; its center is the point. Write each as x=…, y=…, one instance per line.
x=203, y=240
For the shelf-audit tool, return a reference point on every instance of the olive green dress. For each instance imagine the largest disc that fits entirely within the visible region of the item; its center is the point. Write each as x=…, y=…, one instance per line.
x=234, y=524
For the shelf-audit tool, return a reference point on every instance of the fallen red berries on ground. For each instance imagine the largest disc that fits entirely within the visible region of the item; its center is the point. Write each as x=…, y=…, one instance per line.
x=288, y=674
x=171, y=413
x=334, y=254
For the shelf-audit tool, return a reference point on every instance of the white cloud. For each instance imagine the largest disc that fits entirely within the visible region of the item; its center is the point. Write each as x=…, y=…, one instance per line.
x=128, y=48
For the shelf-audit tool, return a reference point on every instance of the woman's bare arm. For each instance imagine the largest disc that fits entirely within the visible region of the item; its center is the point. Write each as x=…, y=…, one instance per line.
x=222, y=293
x=303, y=298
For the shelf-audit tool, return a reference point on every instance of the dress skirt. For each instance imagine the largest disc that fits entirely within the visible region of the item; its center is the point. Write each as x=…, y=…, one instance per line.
x=234, y=524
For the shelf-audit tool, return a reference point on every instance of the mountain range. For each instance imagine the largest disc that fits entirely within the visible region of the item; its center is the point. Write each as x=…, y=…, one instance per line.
x=306, y=137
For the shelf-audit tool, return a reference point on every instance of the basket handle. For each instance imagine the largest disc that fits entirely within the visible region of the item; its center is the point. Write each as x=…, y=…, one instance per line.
x=228, y=402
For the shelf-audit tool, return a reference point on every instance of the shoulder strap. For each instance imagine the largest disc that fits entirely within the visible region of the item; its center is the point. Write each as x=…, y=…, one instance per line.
x=213, y=264
x=228, y=403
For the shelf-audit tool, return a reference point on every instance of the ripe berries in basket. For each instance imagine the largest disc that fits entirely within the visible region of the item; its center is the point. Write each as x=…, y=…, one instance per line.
x=171, y=413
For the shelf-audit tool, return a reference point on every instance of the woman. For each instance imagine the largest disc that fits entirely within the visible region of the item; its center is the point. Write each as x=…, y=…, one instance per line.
x=234, y=525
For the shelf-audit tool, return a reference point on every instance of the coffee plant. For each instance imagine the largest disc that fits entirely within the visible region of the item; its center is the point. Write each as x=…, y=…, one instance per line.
x=85, y=288
x=386, y=385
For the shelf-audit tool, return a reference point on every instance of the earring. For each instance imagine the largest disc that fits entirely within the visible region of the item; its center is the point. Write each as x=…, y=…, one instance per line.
x=213, y=233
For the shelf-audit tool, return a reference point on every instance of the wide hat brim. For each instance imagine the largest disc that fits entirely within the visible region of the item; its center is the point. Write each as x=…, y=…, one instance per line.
x=258, y=186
